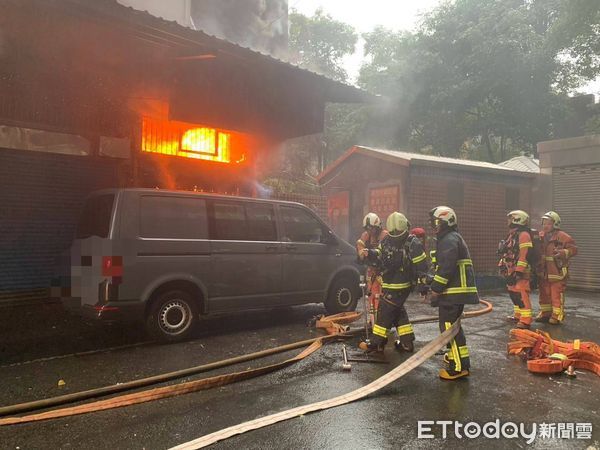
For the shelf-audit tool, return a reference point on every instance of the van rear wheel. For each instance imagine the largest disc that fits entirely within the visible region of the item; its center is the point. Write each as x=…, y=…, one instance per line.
x=343, y=295
x=172, y=316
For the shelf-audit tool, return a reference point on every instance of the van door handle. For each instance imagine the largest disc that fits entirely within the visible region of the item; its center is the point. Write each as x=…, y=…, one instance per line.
x=272, y=247
x=291, y=247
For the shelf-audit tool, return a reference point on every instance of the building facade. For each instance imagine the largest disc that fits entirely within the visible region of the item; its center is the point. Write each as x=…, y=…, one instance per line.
x=366, y=179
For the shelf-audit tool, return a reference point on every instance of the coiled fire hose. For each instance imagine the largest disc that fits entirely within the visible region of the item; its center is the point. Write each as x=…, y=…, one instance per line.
x=192, y=386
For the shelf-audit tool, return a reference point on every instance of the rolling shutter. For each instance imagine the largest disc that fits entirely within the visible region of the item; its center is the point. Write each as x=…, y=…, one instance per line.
x=576, y=194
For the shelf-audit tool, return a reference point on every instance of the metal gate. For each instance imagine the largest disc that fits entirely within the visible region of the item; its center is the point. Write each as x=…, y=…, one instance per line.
x=576, y=193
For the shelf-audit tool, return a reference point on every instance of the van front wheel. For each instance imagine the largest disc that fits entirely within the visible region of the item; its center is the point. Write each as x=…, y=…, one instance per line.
x=343, y=295
x=172, y=316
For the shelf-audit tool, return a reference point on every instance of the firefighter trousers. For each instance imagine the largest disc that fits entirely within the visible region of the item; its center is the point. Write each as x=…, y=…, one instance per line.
x=458, y=352
x=392, y=313
x=552, y=299
x=520, y=296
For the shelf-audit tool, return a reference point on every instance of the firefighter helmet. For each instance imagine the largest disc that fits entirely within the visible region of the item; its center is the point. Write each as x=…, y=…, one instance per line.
x=397, y=224
x=443, y=214
x=518, y=217
x=371, y=220
x=554, y=217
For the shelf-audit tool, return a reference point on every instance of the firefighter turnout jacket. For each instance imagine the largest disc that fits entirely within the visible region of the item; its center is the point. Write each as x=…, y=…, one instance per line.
x=403, y=264
x=369, y=242
x=454, y=278
x=557, y=249
x=514, y=256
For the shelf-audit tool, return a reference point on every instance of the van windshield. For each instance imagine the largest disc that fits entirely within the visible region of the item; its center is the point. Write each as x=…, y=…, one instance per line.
x=95, y=217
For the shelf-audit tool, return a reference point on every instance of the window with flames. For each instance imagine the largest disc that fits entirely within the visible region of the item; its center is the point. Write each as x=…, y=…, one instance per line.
x=188, y=140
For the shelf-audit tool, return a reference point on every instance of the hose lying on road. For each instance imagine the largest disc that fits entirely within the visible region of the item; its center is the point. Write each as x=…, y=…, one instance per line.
x=161, y=392
x=183, y=388
x=107, y=390
x=414, y=361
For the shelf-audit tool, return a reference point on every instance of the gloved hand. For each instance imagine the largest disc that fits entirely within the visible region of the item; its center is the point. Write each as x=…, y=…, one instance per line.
x=434, y=299
x=422, y=289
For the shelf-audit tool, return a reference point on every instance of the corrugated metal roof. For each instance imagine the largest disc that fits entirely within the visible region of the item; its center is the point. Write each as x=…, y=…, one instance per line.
x=337, y=92
x=523, y=164
x=409, y=158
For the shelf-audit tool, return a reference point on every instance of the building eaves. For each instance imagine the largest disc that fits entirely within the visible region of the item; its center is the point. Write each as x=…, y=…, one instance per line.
x=408, y=159
x=335, y=91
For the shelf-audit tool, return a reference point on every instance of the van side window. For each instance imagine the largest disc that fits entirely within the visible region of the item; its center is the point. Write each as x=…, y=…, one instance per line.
x=261, y=222
x=233, y=221
x=171, y=217
x=229, y=222
x=300, y=226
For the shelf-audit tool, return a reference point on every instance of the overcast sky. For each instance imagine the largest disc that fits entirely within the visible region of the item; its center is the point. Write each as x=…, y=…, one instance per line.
x=365, y=15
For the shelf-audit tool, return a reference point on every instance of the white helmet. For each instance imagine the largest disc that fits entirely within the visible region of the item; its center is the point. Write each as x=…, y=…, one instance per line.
x=444, y=214
x=552, y=215
x=397, y=224
x=518, y=217
x=371, y=220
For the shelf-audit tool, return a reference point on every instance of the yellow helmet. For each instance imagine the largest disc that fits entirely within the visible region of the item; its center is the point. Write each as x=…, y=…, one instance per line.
x=397, y=224
x=444, y=214
x=518, y=217
x=554, y=217
x=371, y=220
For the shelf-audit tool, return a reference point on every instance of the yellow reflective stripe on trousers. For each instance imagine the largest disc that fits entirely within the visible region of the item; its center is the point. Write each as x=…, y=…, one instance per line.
x=419, y=258
x=455, y=353
x=522, y=264
x=379, y=331
x=516, y=308
x=405, y=329
x=549, y=258
x=546, y=308
x=440, y=279
x=463, y=351
x=526, y=313
x=396, y=285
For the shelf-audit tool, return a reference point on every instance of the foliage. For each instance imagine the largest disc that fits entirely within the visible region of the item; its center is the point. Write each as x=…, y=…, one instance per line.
x=481, y=78
x=319, y=43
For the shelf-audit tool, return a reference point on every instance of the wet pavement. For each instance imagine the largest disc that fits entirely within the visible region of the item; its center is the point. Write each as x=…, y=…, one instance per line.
x=38, y=345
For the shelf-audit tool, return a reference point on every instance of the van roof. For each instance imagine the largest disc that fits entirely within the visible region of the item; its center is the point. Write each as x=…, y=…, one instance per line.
x=191, y=194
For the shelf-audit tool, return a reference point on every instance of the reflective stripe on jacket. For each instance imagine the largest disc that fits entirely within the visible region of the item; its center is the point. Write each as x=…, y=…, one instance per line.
x=558, y=248
x=454, y=278
x=413, y=267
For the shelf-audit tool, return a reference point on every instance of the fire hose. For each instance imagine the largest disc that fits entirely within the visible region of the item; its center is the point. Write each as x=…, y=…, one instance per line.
x=187, y=387
x=545, y=355
x=414, y=361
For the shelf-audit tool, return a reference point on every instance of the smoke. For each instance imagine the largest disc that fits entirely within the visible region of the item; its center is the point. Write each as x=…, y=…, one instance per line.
x=257, y=24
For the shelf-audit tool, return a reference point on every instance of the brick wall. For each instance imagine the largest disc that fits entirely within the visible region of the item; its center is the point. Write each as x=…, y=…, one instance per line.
x=40, y=199
x=482, y=216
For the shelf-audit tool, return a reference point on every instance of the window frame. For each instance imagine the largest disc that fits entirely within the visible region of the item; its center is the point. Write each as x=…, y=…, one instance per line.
x=164, y=238
x=326, y=231
x=212, y=225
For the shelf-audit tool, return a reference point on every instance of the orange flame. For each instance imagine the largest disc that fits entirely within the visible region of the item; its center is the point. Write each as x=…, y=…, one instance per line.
x=187, y=140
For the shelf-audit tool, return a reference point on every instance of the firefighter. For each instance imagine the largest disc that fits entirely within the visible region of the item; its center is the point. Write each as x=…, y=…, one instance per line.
x=557, y=250
x=514, y=266
x=404, y=265
x=370, y=239
x=452, y=287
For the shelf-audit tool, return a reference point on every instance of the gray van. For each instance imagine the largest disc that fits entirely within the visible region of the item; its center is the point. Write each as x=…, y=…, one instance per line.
x=167, y=257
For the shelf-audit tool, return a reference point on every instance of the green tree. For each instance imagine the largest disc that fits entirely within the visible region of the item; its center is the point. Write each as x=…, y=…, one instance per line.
x=479, y=78
x=319, y=43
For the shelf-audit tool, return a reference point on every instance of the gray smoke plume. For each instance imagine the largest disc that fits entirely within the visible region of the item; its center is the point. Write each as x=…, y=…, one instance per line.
x=258, y=24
